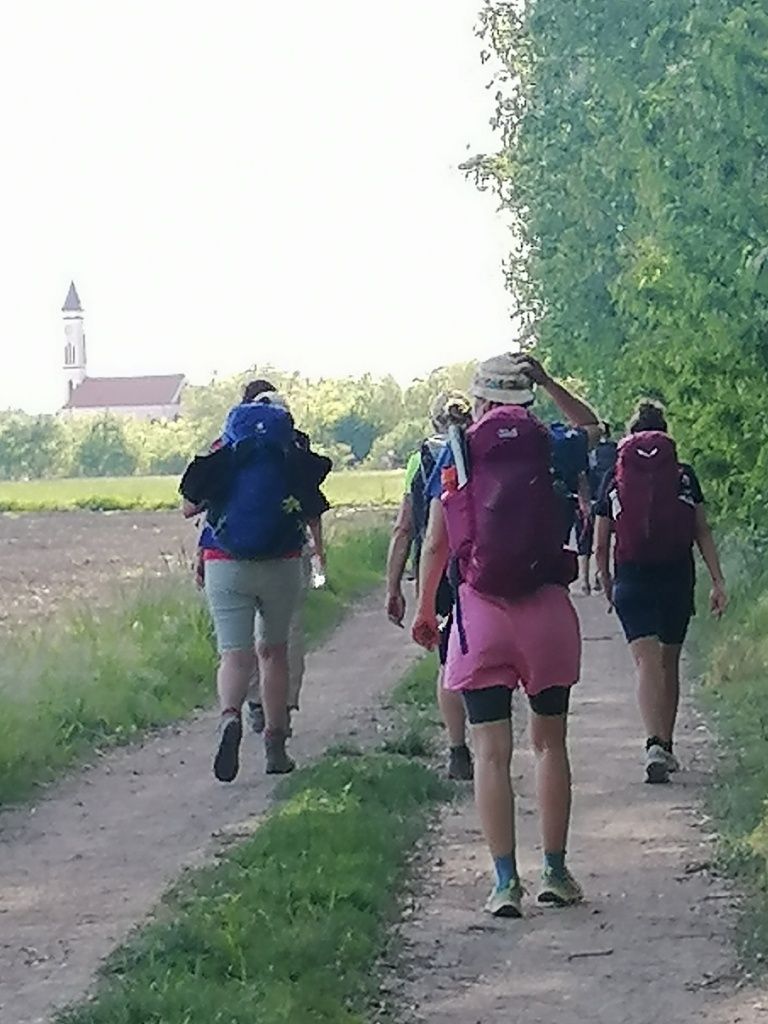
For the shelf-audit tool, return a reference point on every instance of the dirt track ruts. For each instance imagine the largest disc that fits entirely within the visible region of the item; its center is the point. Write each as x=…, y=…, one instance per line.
x=90, y=860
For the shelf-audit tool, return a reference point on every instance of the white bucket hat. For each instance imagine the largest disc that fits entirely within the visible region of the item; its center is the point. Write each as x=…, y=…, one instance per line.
x=501, y=379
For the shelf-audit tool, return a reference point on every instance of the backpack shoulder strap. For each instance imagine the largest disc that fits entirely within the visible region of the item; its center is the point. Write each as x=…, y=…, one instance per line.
x=427, y=462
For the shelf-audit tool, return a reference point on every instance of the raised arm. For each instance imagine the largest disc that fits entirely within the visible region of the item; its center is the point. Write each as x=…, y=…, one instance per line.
x=576, y=411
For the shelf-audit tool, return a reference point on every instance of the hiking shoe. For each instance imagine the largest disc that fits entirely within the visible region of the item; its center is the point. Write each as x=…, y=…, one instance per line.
x=506, y=902
x=559, y=889
x=673, y=765
x=257, y=722
x=226, y=764
x=254, y=715
x=460, y=764
x=277, y=760
x=657, y=767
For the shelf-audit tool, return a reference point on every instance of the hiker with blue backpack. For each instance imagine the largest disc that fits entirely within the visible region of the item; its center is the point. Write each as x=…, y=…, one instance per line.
x=496, y=525
x=314, y=506
x=448, y=408
x=254, y=490
x=602, y=460
x=653, y=506
x=570, y=465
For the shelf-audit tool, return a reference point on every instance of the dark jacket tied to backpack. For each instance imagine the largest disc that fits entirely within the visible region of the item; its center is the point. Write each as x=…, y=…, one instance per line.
x=260, y=487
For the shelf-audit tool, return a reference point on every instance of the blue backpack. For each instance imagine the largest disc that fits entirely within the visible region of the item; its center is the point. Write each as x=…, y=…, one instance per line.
x=259, y=518
x=569, y=457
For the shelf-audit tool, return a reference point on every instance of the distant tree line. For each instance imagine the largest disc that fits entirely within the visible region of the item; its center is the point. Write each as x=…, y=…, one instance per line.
x=356, y=420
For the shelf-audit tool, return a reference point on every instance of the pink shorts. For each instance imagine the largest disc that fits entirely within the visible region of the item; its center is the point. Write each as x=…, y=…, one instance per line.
x=534, y=642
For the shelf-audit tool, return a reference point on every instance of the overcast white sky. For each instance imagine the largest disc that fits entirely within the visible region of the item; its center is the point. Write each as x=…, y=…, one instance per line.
x=242, y=181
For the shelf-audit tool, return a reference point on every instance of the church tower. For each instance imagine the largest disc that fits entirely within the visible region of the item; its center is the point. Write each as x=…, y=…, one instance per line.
x=74, y=344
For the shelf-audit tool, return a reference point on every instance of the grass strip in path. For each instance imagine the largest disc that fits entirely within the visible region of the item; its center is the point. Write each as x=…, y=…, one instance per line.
x=287, y=929
x=101, y=676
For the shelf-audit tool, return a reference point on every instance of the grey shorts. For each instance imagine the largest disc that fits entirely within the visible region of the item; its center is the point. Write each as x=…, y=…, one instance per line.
x=239, y=592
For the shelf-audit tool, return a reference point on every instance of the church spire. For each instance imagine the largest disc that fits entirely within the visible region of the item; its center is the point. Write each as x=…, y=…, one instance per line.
x=72, y=301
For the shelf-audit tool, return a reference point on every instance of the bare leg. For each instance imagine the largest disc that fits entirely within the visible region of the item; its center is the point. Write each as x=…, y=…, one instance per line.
x=670, y=660
x=274, y=686
x=296, y=654
x=651, y=685
x=553, y=779
x=584, y=579
x=274, y=698
x=235, y=668
x=254, y=685
x=493, y=786
x=452, y=711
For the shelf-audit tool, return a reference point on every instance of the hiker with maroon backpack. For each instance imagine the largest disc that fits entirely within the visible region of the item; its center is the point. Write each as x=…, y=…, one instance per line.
x=654, y=506
x=496, y=522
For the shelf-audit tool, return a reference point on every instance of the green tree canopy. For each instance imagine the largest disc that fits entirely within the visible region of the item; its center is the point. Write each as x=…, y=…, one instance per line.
x=632, y=166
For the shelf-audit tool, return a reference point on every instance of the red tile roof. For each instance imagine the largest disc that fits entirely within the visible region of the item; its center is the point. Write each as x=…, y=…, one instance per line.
x=116, y=392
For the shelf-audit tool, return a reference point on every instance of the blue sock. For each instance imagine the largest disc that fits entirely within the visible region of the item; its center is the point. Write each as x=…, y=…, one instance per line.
x=555, y=862
x=506, y=870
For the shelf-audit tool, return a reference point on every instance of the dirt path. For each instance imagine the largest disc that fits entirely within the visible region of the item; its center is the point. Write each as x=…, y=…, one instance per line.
x=80, y=868
x=656, y=923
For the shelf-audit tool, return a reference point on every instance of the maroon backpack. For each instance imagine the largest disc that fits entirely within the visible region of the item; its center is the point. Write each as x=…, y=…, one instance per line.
x=653, y=522
x=505, y=525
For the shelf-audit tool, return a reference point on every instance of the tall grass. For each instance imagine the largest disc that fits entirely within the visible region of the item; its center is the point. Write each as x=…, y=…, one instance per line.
x=99, y=676
x=731, y=659
x=356, y=488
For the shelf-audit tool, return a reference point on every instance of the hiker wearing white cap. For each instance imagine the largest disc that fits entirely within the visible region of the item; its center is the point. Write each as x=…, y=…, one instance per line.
x=447, y=409
x=495, y=518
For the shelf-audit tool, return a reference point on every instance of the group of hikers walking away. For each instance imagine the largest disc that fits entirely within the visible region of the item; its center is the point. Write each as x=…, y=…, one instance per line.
x=493, y=499
x=503, y=498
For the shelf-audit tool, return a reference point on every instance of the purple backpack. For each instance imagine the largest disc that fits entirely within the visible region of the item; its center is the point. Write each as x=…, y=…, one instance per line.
x=505, y=525
x=655, y=523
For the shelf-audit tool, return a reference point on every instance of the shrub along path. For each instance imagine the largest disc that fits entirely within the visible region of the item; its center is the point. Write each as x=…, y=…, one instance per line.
x=92, y=859
x=653, y=941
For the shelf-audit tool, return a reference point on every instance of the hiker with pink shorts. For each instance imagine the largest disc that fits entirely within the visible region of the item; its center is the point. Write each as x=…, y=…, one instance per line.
x=496, y=525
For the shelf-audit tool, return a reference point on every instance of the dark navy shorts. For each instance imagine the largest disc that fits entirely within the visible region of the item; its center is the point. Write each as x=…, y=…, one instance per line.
x=655, y=605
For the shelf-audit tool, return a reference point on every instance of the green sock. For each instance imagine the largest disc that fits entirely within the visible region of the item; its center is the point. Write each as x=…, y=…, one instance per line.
x=555, y=862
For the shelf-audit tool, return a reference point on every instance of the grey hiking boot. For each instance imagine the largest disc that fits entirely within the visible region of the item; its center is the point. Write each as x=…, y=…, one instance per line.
x=460, y=764
x=657, y=766
x=257, y=722
x=278, y=761
x=226, y=763
x=254, y=714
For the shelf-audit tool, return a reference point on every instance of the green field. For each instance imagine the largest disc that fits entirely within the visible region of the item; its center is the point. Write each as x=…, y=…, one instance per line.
x=359, y=488
x=101, y=675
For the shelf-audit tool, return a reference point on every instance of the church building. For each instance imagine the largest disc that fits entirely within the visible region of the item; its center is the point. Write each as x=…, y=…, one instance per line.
x=143, y=398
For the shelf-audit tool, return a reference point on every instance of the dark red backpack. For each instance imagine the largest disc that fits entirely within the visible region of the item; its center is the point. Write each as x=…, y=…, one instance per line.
x=504, y=526
x=654, y=523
